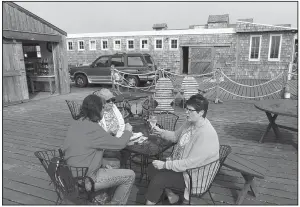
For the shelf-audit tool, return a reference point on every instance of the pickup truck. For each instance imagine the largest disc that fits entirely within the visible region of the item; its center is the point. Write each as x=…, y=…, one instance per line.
x=99, y=72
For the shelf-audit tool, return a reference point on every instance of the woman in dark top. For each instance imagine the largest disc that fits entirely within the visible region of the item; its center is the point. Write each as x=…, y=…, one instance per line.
x=84, y=146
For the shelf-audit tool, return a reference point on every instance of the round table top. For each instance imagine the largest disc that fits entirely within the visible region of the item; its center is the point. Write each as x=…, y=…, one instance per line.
x=130, y=96
x=154, y=145
x=285, y=107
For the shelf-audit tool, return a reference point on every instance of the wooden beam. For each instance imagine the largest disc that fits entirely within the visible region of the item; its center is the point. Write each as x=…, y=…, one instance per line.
x=31, y=36
x=207, y=45
x=11, y=73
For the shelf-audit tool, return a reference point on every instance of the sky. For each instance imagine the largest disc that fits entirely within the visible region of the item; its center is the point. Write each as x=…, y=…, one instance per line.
x=96, y=17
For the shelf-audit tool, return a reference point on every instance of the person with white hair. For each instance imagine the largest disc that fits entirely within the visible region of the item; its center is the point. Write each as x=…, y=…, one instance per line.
x=113, y=121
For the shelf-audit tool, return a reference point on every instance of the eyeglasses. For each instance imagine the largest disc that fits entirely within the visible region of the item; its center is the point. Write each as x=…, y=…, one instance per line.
x=189, y=110
x=111, y=100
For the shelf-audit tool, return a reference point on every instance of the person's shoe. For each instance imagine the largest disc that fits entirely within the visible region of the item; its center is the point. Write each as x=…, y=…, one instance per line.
x=173, y=198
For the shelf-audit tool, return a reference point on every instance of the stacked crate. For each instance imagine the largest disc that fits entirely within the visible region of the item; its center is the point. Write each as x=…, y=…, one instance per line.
x=164, y=94
x=189, y=86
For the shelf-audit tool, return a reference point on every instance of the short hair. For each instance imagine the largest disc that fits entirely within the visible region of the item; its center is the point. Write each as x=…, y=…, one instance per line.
x=199, y=103
x=92, y=107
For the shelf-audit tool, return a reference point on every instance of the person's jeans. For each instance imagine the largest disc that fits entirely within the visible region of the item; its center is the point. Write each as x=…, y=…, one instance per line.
x=122, y=155
x=162, y=179
x=122, y=179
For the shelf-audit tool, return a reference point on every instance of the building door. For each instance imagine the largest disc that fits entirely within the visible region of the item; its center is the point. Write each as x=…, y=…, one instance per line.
x=60, y=63
x=14, y=75
x=200, y=60
x=185, y=60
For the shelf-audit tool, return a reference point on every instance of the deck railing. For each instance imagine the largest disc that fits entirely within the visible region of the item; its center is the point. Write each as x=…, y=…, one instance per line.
x=218, y=85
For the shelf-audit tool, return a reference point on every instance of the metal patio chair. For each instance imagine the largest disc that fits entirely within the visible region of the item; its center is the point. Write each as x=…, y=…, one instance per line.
x=207, y=173
x=71, y=184
x=75, y=109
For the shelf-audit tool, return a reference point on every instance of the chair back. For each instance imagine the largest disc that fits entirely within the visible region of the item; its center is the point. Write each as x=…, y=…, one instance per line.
x=124, y=109
x=166, y=119
x=75, y=109
x=69, y=182
x=149, y=104
x=201, y=178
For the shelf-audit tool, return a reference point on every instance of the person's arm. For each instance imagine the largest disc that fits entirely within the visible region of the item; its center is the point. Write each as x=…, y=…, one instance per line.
x=200, y=153
x=100, y=139
x=172, y=136
x=120, y=121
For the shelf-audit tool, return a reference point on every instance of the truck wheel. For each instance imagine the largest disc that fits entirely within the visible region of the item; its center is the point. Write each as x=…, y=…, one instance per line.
x=133, y=80
x=81, y=81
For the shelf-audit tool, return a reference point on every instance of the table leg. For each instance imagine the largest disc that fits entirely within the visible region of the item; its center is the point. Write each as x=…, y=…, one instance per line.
x=32, y=86
x=144, y=165
x=274, y=125
x=249, y=185
x=271, y=124
x=266, y=132
x=50, y=85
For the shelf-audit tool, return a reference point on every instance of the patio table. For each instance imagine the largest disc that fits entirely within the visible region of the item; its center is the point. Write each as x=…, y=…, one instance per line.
x=130, y=96
x=153, y=147
x=283, y=107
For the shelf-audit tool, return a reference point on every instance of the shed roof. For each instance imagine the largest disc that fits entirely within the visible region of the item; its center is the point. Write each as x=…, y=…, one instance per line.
x=36, y=17
x=218, y=18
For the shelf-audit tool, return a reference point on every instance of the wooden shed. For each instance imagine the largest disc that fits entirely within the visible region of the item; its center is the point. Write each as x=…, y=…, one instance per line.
x=34, y=55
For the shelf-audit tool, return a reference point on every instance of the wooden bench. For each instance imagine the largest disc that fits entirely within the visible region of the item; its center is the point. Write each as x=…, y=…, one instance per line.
x=249, y=171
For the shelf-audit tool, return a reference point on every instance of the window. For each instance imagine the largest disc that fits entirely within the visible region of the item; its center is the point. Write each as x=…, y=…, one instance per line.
x=92, y=44
x=32, y=50
x=274, y=48
x=38, y=51
x=130, y=44
x=173, y=44
x=80, y=45
x=254, y=50
x=158, y=44
x=117, y=61
x=102, y=62
x=144, y=45
x=117, y=44
x=70, y=46
x=104, y=44
x=134, y=61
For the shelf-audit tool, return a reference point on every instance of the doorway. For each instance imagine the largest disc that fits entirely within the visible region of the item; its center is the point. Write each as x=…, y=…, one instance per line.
x=185, y=60
x=39, y=68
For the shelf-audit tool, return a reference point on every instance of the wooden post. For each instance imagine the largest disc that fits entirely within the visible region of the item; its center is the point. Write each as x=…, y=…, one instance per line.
x=112, y=73
x=290, y=70
x=286, y=91
x=218, y=76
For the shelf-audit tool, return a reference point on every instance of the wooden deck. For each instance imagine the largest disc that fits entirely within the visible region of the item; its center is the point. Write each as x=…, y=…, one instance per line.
x=43, y=124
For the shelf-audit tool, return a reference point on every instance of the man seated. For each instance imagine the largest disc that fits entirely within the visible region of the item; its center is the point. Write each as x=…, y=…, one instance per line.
x=197, y=144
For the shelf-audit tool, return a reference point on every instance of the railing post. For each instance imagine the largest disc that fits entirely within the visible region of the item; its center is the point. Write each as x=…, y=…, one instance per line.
x=290, y=71
x=286, y=88
x=218, y=76
x=112, y=74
